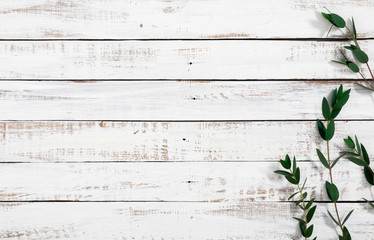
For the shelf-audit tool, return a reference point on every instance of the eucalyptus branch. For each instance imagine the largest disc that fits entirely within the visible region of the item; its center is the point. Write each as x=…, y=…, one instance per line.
x=293, y=176
x=358, y=53
x=338, y=100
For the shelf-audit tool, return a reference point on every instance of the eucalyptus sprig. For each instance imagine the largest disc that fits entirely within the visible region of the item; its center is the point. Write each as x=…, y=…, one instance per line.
x=292, y=174
x=359, y=156
x=357, y=52
x=338, y=100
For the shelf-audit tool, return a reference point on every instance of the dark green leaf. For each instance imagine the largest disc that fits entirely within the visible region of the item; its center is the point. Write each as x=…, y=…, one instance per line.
x=330, y=130
x=294, y=165
x=299, y=220
x=302, y=188
x=350, y=153
x=369, y=175
x=341, y=102
x=358, y=146
x=293, y=195
x=348, y=215
x=285, y=164
x=325, y=109
x=361, y=56
x=336, y=160
x=334, y=97
x=335, y=113
x=321, y=129
x=297, y=175
x=349, y=142
x=357, y=161
x=365, y=155
x=353, y=66
x=340, y=62
x=354, y=28
x=323, y=159
x=291, y=180
x=332, y=218
x=332, y=191
x=309, y=231
x=349, y=48
x=310, y=214
x=309, y=204
x=302, y=227
x=347, y=234
x=284, y=173
x=337, y=21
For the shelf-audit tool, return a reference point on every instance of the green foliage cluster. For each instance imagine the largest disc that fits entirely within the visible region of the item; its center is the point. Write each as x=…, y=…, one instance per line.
x=361, y=57
x=292, y=174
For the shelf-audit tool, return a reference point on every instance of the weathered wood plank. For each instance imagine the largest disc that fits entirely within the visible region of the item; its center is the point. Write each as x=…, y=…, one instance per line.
x=173, y=60
x=196, y=181
x=265, y=221
x=118, y=19
x=60, y=141
x=164, y=100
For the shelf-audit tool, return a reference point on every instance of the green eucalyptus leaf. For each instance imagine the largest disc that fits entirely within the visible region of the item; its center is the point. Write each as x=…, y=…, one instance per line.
x=368, y=88
x=335, y=113
x=341, y=102
x=321, y=129
x=340, y=91
x=353, y=66
x=347, y=217
x=310, y=214
x=361, y=56
x=293, y=195
x=323, y=159
x=334, y=97
x=330, y=130
x=337, y=20
x=297, y=175
x=284, y=173
x=302, y=227
x=350, y=153
x=349, y=48
x=291, y=180
x=337, y=160
x=358, y=146
x=332, y=218
x=357, y=161
x=294, y=165
x=325, y=109
x=285, y=164
x=349, y=143
x=365, y=154
x=354, y=28
x=369, y=175
x=340, y=62
x=309, y=231
x=302, y=188
x=309, y=204
x=347, y=234
x=332, y=191
x=299, y=220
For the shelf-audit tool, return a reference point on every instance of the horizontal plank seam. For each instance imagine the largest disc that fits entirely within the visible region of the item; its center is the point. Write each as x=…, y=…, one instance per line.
x=181, y=39
x=160, y=201
x=85, y=80
x=185, y=121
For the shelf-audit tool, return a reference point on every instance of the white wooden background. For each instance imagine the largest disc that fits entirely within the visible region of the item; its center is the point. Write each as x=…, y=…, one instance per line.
x=164, y=119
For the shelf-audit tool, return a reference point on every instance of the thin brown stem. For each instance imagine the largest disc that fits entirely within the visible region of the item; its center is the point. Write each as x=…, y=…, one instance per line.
x=366, y=81
x=330, y=171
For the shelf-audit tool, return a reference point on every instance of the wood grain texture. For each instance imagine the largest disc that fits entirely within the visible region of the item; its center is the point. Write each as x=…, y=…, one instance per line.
x=137, y=19
x=203, y=182
x=266, y=221
x=160, y=100
x=174, y=60
x=65, y=141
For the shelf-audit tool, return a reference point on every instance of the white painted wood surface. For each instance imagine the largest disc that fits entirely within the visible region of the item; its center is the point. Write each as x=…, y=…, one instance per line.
x=170, y=100
x=166, y=119
x=169, y=220
x=103, y=141
x=176, y=19
x=197, y=181
x=174, y=60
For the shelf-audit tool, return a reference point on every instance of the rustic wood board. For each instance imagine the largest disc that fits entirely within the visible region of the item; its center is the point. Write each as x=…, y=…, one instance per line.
x=196, y=181
x=121, y=220
x=174, y=60
x=177, y=19
x=103, y=141
x=171, y=100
